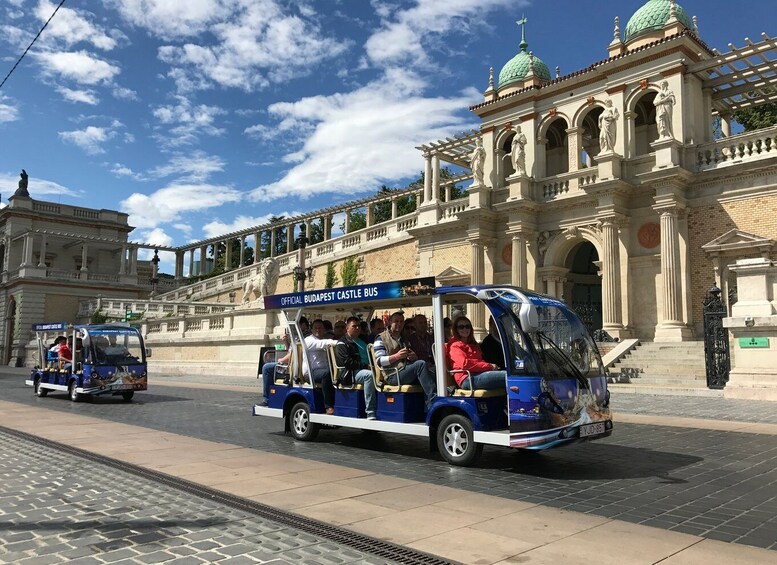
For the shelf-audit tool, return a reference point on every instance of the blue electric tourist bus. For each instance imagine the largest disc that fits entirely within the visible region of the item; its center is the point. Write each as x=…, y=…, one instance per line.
x=105, y=359
x=555, y=388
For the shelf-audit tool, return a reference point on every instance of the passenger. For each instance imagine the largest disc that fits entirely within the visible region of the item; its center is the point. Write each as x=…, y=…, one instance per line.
x=66, y=353
x=465, y=355
x=491, y=346
x=304, y=326
x=268, y=371
x=421, y=340
x=407, y=331
x=339, y=329
x=377, y=327
x=53, y=351
x=364, y=331
x=447, y=327
x=356, y=371
x=361, y=342
x=329, y=331
x=390, y=353
x=317, y=344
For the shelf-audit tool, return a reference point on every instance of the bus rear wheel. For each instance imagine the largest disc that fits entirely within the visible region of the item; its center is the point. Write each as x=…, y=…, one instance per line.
x=456, y=441
x=127, y=395
x=299, y=423
x=40, y=392
x=72, y=390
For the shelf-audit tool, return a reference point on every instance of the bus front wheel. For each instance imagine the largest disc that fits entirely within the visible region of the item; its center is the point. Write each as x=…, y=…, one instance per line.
x=40, y=392
x=299, y=423
x=127, y=395
x=75, y=396
x=456, y=441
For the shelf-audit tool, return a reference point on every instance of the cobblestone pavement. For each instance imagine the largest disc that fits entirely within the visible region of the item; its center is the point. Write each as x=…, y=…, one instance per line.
x=60, y=508
x=717, y=484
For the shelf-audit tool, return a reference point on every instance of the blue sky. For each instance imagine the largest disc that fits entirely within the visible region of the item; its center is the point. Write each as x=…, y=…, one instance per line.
x=200, y=117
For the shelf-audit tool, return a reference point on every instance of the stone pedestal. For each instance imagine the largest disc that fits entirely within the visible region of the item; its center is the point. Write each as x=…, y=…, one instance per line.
x=429, y=213
x=479, y=196
x=609, y=166
x=520, y=186
x=667, y=153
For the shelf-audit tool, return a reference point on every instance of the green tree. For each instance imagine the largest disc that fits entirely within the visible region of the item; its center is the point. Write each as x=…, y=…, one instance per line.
x=265, y=240
x=757, y=117
x=349, y=272
x=234, y=259
x=331, y=276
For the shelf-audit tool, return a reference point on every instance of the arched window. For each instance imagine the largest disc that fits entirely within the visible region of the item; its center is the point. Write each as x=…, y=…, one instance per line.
x=590, y=147
x=645, y=128
x=556, y=150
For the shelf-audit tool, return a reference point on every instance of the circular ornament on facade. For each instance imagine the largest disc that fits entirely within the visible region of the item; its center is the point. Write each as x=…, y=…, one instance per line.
x=507, y=254
x=649, y=235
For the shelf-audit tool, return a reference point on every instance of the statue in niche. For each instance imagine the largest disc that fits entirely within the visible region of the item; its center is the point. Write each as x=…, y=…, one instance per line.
x=264, y=282
x=518, y=152
x=22, y=190
x=477, y=162
x=608, y=127
x=664, y=103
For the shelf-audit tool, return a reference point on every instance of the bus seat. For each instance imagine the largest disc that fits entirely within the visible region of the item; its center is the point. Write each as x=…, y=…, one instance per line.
x=334, y=370
x=289, y=372
x=477, y=393
x=379, y=374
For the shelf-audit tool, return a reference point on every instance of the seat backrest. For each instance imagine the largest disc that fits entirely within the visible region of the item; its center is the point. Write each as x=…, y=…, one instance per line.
x=377, y=372
x=295, y=364
x=334, y=370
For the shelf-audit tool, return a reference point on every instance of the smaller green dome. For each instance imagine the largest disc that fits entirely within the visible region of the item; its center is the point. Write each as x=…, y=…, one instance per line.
x=652, y=17
x=516, y=69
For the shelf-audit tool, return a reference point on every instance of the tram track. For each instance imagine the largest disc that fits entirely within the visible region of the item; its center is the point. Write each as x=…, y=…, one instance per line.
x=360, y=542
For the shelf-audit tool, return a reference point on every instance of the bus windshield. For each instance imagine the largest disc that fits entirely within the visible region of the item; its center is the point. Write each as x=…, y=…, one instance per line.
x=115, y=346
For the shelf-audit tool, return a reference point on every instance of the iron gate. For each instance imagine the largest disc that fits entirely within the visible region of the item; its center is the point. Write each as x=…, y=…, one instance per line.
x=717, y=357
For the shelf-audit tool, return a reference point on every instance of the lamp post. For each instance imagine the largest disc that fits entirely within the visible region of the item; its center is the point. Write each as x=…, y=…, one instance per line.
x=154, y=279
x=300, y=272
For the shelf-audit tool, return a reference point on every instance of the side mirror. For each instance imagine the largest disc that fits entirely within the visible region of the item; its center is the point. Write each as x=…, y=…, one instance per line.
x=148, y=352
x=530, y=321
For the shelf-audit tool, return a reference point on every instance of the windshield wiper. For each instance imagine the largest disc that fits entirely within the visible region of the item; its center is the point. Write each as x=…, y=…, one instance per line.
x=568, y=364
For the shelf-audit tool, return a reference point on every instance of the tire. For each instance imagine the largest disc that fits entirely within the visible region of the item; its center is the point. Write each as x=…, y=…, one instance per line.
x=40, y=392
x=71, y=391
x=299, y=423
x=127, y=395
x=456, y=442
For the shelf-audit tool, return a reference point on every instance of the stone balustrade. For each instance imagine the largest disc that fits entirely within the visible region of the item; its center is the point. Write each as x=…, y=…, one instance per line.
x=566, y=184
x=749, y=146
x=116, y=308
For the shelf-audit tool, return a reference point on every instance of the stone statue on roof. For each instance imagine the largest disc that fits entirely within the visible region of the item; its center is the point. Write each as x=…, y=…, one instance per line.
x=608, y=127
x=664, y=103
x=518, y=152
x=22, y=190
x=477, y=162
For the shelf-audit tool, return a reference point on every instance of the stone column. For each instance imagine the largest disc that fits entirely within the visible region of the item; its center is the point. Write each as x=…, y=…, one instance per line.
x=257, y=247
x=227, y=255
x=611, y=284
x=242, y=250
x=394, y=208
x=123, y=260
x=42, y=257
x=290, y=238
x=27, y=250
x=133, y=260
x=518, y=271
x=272, y=241
x=370, y=215
x=630, y=129
x=478, y=314
x=427, y=177
x=179, y=257
x=84, y=250
x=307, y=230
x=191, y=262
x=203, y=259
x=327, y=227
x=725, y=125
x=347, y=221
x=671, y=326
x=435, y=179
x=574, y=141
x=448, y=193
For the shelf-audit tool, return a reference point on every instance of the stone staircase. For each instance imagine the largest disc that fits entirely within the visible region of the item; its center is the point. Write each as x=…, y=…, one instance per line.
x=662, y=369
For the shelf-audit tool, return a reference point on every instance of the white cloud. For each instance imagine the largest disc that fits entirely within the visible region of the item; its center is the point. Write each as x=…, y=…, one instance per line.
x=85, y=96
x=8, y=111
x=79, y=66
x=365, y=137
x=169, y=203
x=194, y=167
x=71, y=26
x=217, y=227
x=92, y=138
x=123, y=171
x=156, y=236
x=187, y=121
x=255, y=42
x=166, y=18
x=9, y=182
x=124, y=93
x=408, y=35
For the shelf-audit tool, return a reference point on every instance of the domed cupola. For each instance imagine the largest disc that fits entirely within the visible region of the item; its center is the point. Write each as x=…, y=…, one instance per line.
x=517, y=68
x=653, y=16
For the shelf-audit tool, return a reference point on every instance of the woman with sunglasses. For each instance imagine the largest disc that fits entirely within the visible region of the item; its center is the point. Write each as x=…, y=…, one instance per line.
x=465, y=355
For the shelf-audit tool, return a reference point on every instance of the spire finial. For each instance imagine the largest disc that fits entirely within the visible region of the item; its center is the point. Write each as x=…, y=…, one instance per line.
x=558, y=71
x=672, y=9
x=695, y=25
x=616, y=32
x=491, y=77
x=522, y=22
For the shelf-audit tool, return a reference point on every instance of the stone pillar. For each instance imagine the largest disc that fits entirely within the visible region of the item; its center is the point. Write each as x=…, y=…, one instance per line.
x=123, y=260
x=671, y=327
x=272, y=241
x=242, y=251
x=478, y=314
x=630, y=129
x=448, y=193
x=27, y=250
x=394, y=208
x=307, y=230
x=370, y=215
x=574, y=141
x=179, y=265
x=203, y=259
x=518, y=271
x=290, y=238
x=133, y=260
x=427, y=177
x=227, y=255
x=328, y=227
x=42, y=257
x=347, y=221
x=611, y=285
x=435, y=180
x=725, y=125
x=191, y=262
x=257, y=247
x=84, y=251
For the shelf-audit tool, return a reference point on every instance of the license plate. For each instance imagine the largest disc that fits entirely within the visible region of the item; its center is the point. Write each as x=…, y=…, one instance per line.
x=592, y=429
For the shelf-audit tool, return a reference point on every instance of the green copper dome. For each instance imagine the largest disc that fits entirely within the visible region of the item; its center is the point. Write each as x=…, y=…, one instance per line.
x=653, y=16
x=517, y=68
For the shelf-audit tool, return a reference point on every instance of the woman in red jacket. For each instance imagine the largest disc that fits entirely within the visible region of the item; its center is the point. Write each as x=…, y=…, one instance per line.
x=465, y=355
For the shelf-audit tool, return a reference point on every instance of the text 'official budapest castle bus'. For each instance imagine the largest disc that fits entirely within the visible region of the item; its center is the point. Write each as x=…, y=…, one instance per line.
x=555, y=389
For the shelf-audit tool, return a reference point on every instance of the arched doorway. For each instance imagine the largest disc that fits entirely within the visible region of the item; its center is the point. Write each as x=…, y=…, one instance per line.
x=585, y=284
